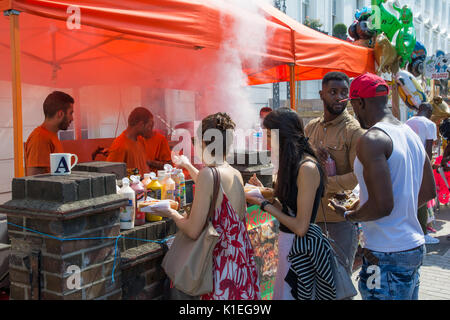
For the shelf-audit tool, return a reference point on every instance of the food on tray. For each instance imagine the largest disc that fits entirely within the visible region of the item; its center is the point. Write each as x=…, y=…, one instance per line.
x=266, y=193
x=157, y=204
x=346, y=199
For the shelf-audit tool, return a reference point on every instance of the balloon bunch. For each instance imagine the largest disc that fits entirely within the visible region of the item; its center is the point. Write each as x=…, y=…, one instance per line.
x=376, y=20
x=360, y=30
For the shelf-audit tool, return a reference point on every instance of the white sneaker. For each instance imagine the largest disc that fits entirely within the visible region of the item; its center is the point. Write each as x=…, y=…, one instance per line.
x=431, y=240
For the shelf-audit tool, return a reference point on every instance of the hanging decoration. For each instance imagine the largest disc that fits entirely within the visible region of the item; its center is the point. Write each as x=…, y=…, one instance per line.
x=385, y=55
x=418, y=57
x=406, y=37
x=410, y=90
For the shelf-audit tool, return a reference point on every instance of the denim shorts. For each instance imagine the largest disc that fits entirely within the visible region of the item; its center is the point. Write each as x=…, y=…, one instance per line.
x=391, y=276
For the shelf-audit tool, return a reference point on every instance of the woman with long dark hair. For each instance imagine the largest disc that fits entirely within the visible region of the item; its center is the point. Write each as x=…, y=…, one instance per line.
x=299, y=188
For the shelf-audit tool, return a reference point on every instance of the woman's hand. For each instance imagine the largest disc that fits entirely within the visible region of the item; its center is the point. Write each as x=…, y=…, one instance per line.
x=253, y=200
x=255, y=181
x=166, y=213
x=181, y=161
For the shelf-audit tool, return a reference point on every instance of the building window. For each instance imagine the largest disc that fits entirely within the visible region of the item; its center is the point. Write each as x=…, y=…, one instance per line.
x=305, y=9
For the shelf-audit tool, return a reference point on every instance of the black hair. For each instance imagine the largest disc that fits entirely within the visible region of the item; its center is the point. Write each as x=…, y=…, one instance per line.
x=292, y=145
x=336, y=76
x=444, y=129
x=139, y=114
x=56, y=101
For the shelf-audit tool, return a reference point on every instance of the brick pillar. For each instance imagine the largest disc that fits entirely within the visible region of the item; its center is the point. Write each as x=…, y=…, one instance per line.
x=81, y=205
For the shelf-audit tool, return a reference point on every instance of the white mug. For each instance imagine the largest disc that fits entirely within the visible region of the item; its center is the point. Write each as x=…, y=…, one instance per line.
x=60, y=163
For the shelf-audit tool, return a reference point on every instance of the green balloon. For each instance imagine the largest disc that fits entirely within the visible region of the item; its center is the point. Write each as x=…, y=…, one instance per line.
x=406, y=38
x=383, y=20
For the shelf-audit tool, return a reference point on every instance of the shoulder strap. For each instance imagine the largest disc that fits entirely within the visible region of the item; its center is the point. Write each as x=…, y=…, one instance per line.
x=216, y=179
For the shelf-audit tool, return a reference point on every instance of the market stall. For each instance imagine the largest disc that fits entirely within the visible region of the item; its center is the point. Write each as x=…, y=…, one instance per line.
x=171, y=55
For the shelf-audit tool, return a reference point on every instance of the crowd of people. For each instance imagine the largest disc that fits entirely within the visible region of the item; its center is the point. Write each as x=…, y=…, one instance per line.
x=378, y=153
x=388, y=162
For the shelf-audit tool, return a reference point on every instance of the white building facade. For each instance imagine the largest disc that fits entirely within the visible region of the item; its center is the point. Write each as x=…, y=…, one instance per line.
x=431, y=20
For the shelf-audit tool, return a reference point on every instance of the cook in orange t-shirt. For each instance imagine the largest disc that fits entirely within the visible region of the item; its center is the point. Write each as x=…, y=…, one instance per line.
x=58, y=112
x=128, y=147
x=157, y=150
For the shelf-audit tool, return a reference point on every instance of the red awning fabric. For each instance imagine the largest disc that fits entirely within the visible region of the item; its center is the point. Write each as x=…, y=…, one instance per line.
x=165, y=44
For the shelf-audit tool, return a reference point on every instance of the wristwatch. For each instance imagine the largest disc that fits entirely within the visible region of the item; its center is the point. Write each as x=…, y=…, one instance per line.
x=346, y=213
x=264, y=204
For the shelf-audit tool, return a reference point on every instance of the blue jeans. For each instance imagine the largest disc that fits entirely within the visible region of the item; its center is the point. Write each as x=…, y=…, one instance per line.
x=391, y=276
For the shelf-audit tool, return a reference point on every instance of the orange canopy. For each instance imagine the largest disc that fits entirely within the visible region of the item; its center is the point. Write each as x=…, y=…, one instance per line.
x=164, y=43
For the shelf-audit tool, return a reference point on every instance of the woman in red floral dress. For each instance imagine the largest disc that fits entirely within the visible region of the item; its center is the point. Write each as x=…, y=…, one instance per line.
x=235, y=273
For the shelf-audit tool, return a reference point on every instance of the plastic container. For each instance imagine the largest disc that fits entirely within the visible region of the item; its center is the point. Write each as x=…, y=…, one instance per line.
x=168, y=191
x=127, y=213
x=140, y=191
x=330, y=166
x=182, y=189
x=154, y=188
x=176, y=178
x=257, y=141
x=146, y=181
x=161, y=175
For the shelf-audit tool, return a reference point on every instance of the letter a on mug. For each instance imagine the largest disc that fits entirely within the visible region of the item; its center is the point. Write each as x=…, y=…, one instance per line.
x=62, y=164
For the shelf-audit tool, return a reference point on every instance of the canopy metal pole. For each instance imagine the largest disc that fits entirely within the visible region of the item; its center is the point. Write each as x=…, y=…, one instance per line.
x=292, y=85
x=16, y=93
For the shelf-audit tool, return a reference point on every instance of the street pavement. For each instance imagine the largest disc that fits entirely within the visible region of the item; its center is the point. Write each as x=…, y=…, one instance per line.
x=435, y=271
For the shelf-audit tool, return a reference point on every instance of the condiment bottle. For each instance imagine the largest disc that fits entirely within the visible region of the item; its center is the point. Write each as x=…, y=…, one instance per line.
x=139, y=190
x=168, y=184
x=154, y=188
x=176, y=178
x=127, y=213
x=146, y=181
x=182, y=188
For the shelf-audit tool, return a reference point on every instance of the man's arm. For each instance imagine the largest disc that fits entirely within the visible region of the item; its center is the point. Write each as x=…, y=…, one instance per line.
x=373, y=150
x=429, y=148
x=36, y=170
x=428, y=186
